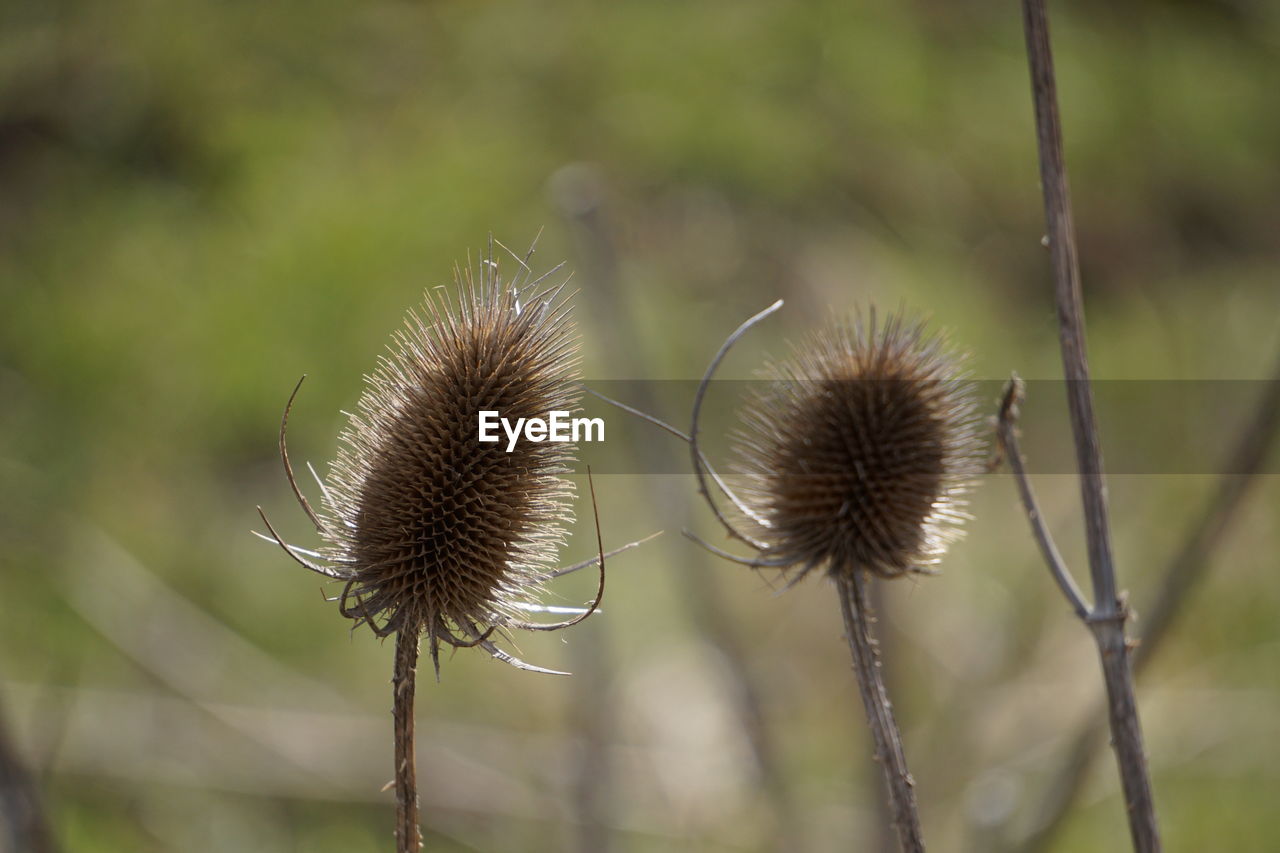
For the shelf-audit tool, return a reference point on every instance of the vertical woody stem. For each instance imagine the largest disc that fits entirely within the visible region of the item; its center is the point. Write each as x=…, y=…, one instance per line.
x=887, y=740
x=1108, y=616
x=408, y=836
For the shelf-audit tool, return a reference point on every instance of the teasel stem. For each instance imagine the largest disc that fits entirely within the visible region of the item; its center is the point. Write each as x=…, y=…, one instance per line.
x=582, y=197
x=404, y=675
x=904, y=814
x=1107, y=617
x=1193, y=560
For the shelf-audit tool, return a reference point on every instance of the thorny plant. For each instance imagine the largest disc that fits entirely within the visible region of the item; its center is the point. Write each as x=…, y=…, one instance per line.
x=429, y=531
x=856, y=454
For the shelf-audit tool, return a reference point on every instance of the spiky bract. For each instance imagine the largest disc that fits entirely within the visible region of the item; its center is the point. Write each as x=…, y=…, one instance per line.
x=431, y=529
x=857, y=450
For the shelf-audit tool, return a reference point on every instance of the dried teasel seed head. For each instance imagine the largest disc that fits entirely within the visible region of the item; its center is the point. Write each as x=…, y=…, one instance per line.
x=439, y=528
x=857, y=450
x=431, y=530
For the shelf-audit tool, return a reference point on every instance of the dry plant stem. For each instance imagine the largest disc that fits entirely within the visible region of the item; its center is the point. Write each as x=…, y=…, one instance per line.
x=23, y=823
x=1008, y=437
x=585, y=210
x=1070, y=306
x=745, y=690
x=1107, y=619
x=1243, y=466
x=593, y=714
x=1184, y=571
x=408, y=836
x=903, y=812
x=1117, y=673
x=884, y=838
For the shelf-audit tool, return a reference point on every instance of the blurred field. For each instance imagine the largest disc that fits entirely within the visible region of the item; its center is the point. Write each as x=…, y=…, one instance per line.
x=200, y=202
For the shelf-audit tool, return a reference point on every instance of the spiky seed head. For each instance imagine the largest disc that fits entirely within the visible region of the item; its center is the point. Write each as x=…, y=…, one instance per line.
x=857, y=450
x=433, y=530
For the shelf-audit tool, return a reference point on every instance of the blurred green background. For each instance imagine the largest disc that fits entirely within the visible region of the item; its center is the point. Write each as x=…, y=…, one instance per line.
x=201, y=201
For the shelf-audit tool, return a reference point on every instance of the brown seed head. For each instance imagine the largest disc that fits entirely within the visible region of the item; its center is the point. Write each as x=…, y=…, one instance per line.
x=431, y=529
x=858, y=448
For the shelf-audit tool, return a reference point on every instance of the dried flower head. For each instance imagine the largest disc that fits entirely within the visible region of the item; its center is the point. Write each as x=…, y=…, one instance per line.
x=856, y=451
x=429, y=530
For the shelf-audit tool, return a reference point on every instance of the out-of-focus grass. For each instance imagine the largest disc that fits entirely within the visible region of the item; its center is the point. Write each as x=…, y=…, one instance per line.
x=200, y=202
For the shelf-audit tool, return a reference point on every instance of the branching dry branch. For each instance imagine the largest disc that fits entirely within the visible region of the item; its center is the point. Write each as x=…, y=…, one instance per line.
x=1107, y=618
x=1008, y=437
x=1184, y=571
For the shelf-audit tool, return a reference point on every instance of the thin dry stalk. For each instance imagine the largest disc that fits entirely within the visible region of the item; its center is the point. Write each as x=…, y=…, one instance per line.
x=882, y=834
x=1184, y=571
x=593, y=710
x=408, y=836
x=23, y=822
x=1116, y=669
x=1107, y=618
x=581, y=196
x=904, y=814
